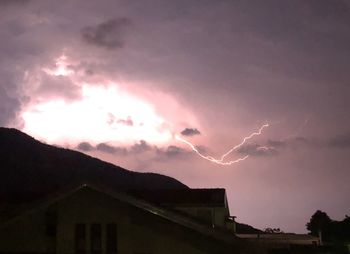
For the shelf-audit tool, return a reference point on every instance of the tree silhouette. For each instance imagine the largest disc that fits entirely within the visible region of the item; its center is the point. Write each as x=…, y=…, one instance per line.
x=320, y=225
x=273, y=230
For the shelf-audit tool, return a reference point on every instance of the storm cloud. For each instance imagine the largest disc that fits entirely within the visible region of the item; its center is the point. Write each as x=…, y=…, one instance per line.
x=128, y=121
x=13, y=2
x=85, y=147
x=257, y=150
x=51, y=86
x=142, y=151
x=108, y=34
x=140, y=147
x=341, y=141
x=106, y=148
x=9, y=108
x=224, y=67
x=190, y=132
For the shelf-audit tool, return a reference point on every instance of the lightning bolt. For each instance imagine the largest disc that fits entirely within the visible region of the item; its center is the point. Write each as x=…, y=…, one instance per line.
x=221, y=160
x=244, y=140
x=210, y=158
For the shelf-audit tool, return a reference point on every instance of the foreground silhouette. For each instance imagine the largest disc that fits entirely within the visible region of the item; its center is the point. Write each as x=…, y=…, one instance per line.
x=330, y=231
x=29, y=168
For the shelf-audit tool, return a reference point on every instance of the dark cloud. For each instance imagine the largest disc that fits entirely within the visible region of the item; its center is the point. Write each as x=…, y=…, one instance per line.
x=174, y=151
x=109, y=34
x=103, y=147
x=11, y=100
x=295, y=142
x=13, y=2
x=140, y=147
x=112, y=120
x=300, y=139
x=85, y=147
x=340, y=141
x=59, y=86
x=203, y=149
x=9, y=107
x=336, y=9
x=128, y=121
x=190, y=132
x=275, y=146
x=276, y=143
x=154, y=153
x=165, y=154
x=311, y=142
x=257, y=150
x=136, y=149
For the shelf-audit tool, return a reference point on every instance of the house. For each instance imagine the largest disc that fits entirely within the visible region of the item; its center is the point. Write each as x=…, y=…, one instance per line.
x=90, y=219
x=206, y=205
x=282, y=239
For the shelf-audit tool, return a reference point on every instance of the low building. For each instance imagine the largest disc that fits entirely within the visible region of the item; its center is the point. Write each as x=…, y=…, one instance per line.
x=282, y=239
x=206, y=205
x=94, y=220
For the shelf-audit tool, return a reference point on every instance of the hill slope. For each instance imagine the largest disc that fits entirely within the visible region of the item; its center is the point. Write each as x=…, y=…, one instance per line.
x=29, y=166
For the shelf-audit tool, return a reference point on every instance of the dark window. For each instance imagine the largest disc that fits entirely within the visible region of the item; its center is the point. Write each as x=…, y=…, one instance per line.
x=95, y=239
x=111, y=238
x=51, y=222
x=80, y=238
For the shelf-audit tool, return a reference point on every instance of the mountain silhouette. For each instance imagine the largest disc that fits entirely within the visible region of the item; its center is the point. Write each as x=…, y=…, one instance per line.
x=29, y=168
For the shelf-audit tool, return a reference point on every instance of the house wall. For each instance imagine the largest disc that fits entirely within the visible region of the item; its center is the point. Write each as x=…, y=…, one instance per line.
x=137, y=231
x=218, y=215
x=26, y=234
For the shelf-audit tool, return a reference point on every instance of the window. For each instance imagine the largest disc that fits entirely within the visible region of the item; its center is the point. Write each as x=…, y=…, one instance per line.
x=80, y=238
x=51, y=222
x=95, y=239
x=111, y=238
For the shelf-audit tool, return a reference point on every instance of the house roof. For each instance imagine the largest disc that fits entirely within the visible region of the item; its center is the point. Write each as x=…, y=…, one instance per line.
x=279, y=236
x=184, y=197
x=169, y=215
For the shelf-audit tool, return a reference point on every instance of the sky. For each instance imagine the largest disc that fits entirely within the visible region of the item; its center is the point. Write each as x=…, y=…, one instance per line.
x=136, y=83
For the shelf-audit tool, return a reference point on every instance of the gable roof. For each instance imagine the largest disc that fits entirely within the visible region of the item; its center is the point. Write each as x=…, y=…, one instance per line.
x=169, y=215
x=185, y=197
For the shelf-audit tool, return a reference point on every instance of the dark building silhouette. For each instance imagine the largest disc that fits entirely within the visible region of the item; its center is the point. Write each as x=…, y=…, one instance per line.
x=91, y=219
